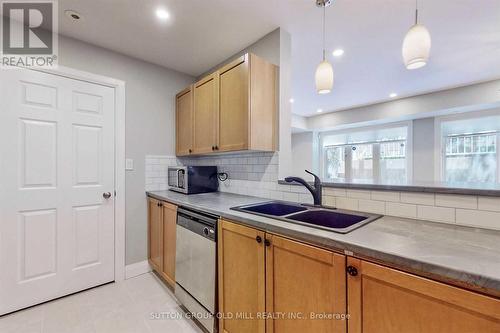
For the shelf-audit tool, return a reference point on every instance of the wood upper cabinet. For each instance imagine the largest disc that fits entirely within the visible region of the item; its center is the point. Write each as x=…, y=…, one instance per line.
x=232, y=109
x=384, y=300
x=154, y=234
x=206, y=104
x=248, y=105
x=184, y=122
x=241, y=278
x=169, y=224
x=302, y=279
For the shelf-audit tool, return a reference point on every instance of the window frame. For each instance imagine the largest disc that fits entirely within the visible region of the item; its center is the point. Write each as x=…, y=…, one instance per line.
x=376, y=149
x=440, y=143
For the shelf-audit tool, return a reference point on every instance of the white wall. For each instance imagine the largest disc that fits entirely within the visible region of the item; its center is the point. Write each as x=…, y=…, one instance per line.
x=472, y=97
x=150, y=122
x=302, y=154
x=423, y=149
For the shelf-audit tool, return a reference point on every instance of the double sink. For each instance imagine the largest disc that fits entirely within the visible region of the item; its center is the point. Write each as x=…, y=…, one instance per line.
x=330, y=219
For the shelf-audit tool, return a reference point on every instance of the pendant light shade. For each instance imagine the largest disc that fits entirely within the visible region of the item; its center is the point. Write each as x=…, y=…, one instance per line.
x=416, y=47
x=324, y=77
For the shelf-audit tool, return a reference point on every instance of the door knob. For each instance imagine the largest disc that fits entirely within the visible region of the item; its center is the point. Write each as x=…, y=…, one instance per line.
x=106, y=195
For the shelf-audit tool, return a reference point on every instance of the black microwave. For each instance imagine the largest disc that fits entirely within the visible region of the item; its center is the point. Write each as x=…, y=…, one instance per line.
x=193, y=179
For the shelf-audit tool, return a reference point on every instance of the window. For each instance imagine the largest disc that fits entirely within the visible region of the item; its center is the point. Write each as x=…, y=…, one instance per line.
x=377, y=154
x=469, y=151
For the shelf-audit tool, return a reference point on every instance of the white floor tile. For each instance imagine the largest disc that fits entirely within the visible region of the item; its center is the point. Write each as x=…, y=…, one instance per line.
x=142, y=304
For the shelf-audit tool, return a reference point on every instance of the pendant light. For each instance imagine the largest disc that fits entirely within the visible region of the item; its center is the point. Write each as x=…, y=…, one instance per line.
x=324, y=71
x=416, y=45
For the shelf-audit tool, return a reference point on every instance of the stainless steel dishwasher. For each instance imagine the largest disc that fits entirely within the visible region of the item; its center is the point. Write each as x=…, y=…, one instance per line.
x=195, y=265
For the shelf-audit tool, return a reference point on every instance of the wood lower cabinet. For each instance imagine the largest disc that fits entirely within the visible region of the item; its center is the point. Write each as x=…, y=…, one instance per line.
x=184, y=122
x=274, y=284
x=162, y=223
x=305, y=281
x=155, y=234
x=169, y=225
x=385, y=300
x=241, y=269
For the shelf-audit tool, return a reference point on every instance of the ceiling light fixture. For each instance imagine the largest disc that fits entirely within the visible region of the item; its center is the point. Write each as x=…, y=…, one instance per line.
x=319, y=110
x=73, y=15
x=392, y=95
x=416, y=45
x=292, y=100
x=324, y=71
x=338, y=53
x=162, y=14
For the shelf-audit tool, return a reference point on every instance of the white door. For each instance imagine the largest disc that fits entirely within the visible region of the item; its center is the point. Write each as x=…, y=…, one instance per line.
x=57, y=160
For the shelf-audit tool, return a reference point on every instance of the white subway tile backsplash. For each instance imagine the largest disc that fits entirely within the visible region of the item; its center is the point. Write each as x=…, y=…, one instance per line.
x=457, y=201
x=401, y=209
x=289, y=196
x=329, y=201
x=334, y=192
x=358, y=194
x=385, y=196
x=489, y=204
x=418, y=198
x=439, y=214
x=346, y=203
x=478, y=218
x=371, y=206
x=256, y=174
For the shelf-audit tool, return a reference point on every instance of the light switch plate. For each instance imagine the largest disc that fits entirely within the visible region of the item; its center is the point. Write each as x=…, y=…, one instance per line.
x=129, y=164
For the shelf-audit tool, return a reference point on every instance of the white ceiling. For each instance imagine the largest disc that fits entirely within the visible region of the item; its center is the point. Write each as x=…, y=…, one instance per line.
x=465, y=41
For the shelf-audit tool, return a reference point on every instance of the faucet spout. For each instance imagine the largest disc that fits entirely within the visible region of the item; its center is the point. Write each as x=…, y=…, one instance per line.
x=315, y=190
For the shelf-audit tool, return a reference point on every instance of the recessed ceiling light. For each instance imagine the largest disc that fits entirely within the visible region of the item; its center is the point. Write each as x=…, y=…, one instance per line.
x=162, y=14
x=338, y=53
x=292, y=100
x=319, y=110
x=392, y=95
x=74, y=16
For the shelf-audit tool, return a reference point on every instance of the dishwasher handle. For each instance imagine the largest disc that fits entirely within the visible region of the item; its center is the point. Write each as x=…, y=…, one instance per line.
x=197, y=225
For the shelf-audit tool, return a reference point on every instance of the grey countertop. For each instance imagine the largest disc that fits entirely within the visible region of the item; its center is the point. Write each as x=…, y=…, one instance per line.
x=469, y=257
x=481, y=189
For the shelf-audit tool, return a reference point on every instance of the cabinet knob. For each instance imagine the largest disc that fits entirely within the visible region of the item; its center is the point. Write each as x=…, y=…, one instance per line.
x=213, y=147
x=258, y=239
x=352, y=271
x=106, y=195
x=216, y=147
x=267, y=242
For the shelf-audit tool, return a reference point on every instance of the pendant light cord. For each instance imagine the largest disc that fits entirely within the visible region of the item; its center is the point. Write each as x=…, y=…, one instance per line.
x=416, y=12
x=324, y=52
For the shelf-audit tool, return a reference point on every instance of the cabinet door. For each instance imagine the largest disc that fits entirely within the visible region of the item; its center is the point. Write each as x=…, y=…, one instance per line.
x=206, y=110
x=241, y=278
x=234, y=105
x=155, y=234
x=169, y=223
x=384, y=300
x=184, y=122
x=305, y=288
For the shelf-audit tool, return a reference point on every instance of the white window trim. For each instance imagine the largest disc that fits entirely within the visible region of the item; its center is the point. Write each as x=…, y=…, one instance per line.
x=409, y=144
x=439, y=144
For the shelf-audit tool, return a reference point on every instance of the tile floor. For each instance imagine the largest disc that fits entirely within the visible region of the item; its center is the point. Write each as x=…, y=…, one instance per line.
x=123, y=307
